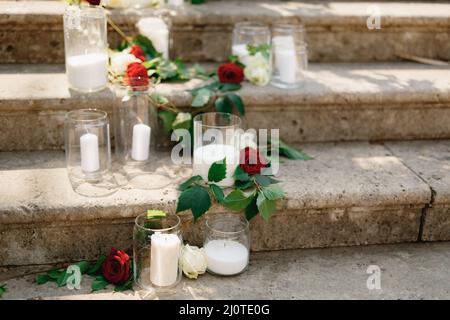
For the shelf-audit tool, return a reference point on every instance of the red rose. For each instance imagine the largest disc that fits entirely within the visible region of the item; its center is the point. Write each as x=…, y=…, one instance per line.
x=230, y=73
x=137, y=75
x=93, y=2
x=137, y=52
x=116, y=267
x=252, y=161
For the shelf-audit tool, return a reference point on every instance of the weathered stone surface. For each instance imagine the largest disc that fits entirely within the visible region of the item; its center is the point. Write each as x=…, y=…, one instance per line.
x=336, y=102
x=352, y=193
x=431, y=161
x=408, y=271
x=204, y=32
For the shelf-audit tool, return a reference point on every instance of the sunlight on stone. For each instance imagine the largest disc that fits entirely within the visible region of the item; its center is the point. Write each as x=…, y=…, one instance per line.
x=377, y=163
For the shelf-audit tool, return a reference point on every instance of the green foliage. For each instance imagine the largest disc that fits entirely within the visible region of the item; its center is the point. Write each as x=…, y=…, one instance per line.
x=265, y=206
x=229, y=102
x=292, y=153
x=167, y=118
x=3, y=289
x=217, y=171
x=238, y=200
x=217, y=192
x=201, y=97
x=264, y=49
x=146, y=46
x=196, y=199
x=99, y=283
x=189, y=182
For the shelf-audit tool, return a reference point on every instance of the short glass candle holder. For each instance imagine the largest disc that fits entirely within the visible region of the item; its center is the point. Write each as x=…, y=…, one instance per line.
x=86, y=47
x=157, y=245
x=216, y=137
x=227, y=244
x=290, y=55
x=252, y=45
x=135, y=130
x=88, y=152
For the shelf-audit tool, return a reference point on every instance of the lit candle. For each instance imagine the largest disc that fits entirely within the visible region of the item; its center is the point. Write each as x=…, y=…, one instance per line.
x=226, y=257
x=141, y=142
x=165, y=253
x=157, y=31
x=90, y=161
x=205, y=156
x=87, y=71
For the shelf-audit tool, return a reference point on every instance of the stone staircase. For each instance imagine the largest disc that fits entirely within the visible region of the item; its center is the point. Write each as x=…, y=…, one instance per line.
x=356, y=112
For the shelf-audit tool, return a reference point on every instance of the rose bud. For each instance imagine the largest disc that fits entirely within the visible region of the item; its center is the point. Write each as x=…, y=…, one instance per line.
x=251, y=161
x=116, y=267
x=93, y=2
x=138, y=52
x=230, y=73
x=137, y=76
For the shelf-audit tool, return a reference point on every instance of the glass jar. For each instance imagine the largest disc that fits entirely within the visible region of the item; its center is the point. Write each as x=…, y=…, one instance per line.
x=157, y=245
x=216, y=137
x=88, y=152
x=290, y=55
x=85, y=41
x=252, y=45
x=227, y=244
x=135, y=130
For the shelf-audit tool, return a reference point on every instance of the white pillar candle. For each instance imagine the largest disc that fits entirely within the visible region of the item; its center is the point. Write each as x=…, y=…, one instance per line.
x=205, y=156
x=157, y=31
x=141, y=142
x=286, y=64
x=226, y=257
x=165, y=253
x=87, y=71
x=176, y=3
x=90, y=161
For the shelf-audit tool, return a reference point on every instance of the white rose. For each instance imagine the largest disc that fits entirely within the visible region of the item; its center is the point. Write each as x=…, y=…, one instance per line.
x=257, y=71
x=121, y=60
x=116, y=3
x=193, y=261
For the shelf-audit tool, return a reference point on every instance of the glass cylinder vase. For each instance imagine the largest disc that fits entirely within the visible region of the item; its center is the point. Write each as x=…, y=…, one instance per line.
x=86, y=43
x=157, y=244
x=227, y=244
x=88, y=152
x=216, y=137
x=252, y=45
x=290, y=55
x=135, y=130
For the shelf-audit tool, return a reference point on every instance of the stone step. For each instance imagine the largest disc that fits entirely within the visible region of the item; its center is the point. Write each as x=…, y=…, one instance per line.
x=350, y=194
x=394, y=101
x=337, y=31
x=408, y=271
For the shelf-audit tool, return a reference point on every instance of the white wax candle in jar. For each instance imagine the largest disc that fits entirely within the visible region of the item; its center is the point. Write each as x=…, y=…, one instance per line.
x=90, y=161
x=205, y=156
x=157, y=31
x=141, y=142
x=164, y=259
x=286, y=64
x=87, y=72
x=226, y=257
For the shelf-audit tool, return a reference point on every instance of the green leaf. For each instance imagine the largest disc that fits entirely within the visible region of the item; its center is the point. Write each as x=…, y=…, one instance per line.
x=62, y=280
x=196, y=199
x=167, y=119
x=236, y=102
x=99, y=283
x=147, y=46
x=95, y=268
x=84, y=266
x=3, y=289
x=225, y=87
x=264, y=49
x=183, y=120
x=273, y=192
x=292, y=153
x=243, y=185
x=252, y=209
x=222, y=105
x=263, y=180
x=42, y=278
x=217, y=171
x=156, y=214
x=201, y=97
x=265, y=206
x=183, y=186
x=237, y=200
x=128, y=285
x=54, y=274
x=241, y=175
x=218, y=192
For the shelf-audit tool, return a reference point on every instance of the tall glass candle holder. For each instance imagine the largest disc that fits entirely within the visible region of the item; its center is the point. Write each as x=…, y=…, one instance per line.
x=86, y=48
x=252, y=45
x=216, y=137
x=136, y=126
x=157, y=247
x=290, y=55
x=227, y=244
x=88, y=152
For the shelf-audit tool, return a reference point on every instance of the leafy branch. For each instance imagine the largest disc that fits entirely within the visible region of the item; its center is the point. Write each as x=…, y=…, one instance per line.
x=3, y=289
